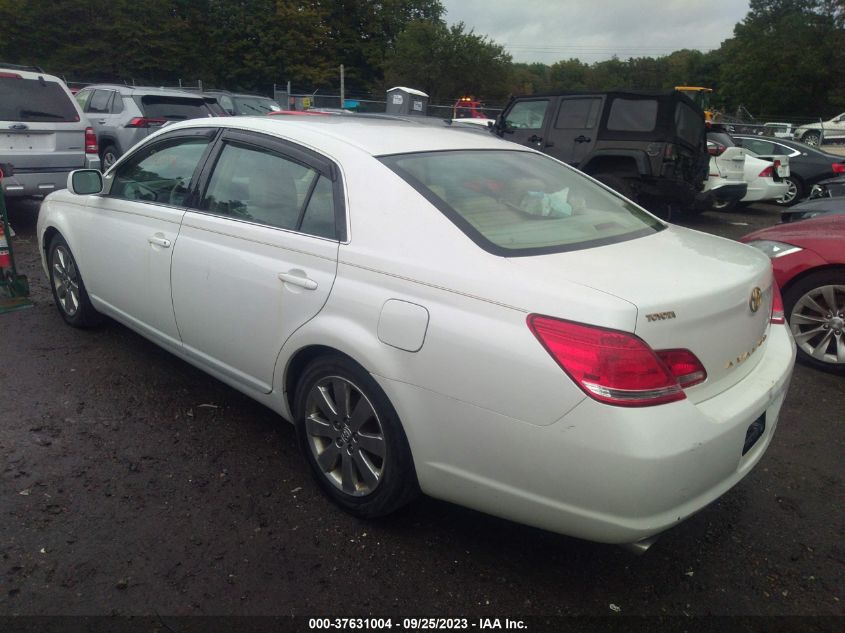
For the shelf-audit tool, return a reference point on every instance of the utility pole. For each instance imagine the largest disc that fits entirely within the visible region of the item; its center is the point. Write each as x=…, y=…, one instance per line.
x=342, y=95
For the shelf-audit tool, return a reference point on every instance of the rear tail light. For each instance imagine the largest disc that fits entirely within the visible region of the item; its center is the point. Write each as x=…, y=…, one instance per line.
x=778, y=316
x=838, y=168
x=9, y=76
x=616, y=367
x=767, y=172
x=140, y=121
x=715, y=149
x=669, y=151
x=90, y=141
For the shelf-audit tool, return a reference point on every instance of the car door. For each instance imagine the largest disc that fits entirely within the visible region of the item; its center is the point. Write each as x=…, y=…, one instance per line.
x=98, y=109
x=571, y=135
x=129, y=231
x=525, y=122
x=257, y=254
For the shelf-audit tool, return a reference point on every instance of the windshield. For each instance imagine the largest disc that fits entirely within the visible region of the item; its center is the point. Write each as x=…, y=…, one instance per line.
x=516, y=203
x=255, y=105
x=34, y=100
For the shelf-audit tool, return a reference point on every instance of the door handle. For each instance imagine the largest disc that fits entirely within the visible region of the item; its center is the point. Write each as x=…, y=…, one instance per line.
x=534, y=138
x=159, y=241
x=102, y=121
x=298, y=280
x=582, y=139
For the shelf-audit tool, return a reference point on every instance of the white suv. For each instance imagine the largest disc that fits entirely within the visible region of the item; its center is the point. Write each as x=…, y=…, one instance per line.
x=816, y=133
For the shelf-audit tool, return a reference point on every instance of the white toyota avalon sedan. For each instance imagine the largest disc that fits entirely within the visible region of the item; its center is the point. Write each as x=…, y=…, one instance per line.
x=438, y=310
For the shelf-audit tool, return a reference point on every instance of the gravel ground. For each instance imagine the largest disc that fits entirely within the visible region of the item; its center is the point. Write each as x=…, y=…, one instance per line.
x=133, y=483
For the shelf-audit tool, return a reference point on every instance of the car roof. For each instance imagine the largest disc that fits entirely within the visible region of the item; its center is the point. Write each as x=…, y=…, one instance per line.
x=26, y=73
x=377, y=137
x=228, y=93
x=144, y=90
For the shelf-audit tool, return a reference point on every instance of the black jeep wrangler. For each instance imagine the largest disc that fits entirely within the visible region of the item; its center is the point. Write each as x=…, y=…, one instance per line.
x=650, y=147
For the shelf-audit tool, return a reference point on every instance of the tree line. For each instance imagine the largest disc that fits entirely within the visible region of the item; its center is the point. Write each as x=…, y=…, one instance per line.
x=785, y=57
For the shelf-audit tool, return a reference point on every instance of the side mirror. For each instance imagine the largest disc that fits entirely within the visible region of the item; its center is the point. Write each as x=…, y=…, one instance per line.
x=84, y=182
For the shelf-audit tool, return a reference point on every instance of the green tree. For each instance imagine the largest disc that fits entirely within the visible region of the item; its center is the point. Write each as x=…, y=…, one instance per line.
x=447, y=62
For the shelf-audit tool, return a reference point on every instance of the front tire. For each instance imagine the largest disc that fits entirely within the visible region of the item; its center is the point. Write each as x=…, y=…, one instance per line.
x=794, y=192
x=67, y=286
x=815, y=310
x=352, y=439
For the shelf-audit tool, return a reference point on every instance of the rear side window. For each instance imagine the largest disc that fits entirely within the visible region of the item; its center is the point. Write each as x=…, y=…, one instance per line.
x=35, y=100
x=578, y=114
x=689, y=124
x=258, y=185
x=632, y=115
x=518, y=203
x=527, y=115
x=100, y=101
x=172, y=108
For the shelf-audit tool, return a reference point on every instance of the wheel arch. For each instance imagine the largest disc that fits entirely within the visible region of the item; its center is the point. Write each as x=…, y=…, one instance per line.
x=812, y=271
x=631, y=163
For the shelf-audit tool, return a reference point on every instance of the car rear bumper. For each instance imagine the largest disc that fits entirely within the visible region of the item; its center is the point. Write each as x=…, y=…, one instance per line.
x=765, y=189
x=41, y=183
x=603, y=473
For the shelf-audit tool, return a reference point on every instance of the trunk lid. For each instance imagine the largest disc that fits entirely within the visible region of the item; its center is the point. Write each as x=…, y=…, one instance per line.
x=691, y=290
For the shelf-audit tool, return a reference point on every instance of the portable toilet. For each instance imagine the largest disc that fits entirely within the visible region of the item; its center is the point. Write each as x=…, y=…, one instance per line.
x=402, y=100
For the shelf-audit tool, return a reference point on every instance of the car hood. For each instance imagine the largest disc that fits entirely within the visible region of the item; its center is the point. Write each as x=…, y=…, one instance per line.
x=691, y=291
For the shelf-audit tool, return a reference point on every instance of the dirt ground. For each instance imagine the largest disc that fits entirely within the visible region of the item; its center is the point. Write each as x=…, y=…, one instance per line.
x=133, y=483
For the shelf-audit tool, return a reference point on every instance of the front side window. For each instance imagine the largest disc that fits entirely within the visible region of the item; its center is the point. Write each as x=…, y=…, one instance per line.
x=257, y=185
x=527, y=115
x=160, y=173
x=632, y=115
x=515, y=203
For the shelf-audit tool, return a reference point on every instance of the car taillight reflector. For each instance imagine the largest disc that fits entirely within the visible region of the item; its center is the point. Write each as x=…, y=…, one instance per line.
x=715, y=149
x=778, y=316
x=90, y=141
x=766, y=173
x=140, y=121
x=838, y=168
x=684, y=365
x=608, y=365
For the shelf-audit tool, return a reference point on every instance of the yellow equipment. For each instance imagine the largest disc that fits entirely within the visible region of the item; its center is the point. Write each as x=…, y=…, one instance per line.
x=701, y=96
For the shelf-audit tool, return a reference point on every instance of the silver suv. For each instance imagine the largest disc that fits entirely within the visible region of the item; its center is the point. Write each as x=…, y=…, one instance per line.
x=43, y=133
x=125, y=115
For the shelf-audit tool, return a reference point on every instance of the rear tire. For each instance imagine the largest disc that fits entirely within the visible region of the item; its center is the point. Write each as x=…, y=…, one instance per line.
x=618, y=184
x=820, y=336
x=793, y=194
x=352, y=439
x=108, y=156
x=723, y=205
x=813, y=139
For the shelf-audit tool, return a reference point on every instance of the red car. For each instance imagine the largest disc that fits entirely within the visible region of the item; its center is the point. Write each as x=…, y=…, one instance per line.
x=808, y=258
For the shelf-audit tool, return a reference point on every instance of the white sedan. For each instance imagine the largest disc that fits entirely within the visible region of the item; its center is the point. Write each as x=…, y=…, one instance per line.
x=438, y=310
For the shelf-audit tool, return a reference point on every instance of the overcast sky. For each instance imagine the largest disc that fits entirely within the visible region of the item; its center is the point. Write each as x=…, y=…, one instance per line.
x=592, y=30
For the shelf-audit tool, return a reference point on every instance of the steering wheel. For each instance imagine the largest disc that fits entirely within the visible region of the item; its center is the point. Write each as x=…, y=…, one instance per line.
x=138, y=191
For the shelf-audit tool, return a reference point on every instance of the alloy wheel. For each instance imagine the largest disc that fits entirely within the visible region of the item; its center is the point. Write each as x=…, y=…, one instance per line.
x=812, y=139
x=65, y=278
x=791, y=192
x=818, y=324
x=345, y=436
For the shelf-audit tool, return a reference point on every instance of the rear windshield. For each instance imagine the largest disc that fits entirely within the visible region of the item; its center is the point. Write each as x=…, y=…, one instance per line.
x=35, y=100
x=173, y=108
x=255, y=105
x=515, y=203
